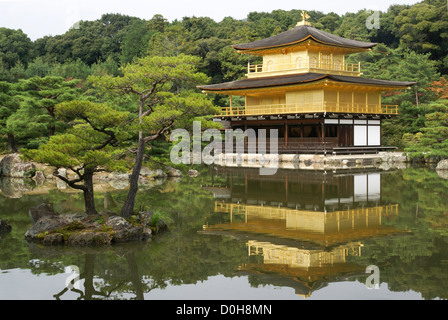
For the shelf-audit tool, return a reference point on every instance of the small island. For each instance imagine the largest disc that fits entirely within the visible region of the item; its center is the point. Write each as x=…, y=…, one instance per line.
x=80, y=229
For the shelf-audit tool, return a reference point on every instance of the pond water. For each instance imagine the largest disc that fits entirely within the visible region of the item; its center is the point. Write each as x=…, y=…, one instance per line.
x=235, y=235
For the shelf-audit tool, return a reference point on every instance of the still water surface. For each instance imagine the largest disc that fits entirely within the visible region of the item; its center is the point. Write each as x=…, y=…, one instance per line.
x=237, y=235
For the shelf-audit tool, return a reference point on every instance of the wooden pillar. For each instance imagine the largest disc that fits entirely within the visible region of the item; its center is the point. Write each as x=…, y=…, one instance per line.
x=323, y=130
x=367, y=99
x=339, y=133
x=301, y=133
x=320, y=59
x=380, y=108
x=231, y=108
x=323, y=135
x=353, y=103
x=337, y=101
x=245, y=136
x=286, y=133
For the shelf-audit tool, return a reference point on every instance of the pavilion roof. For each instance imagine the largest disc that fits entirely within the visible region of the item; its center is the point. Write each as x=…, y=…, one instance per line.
x=299, y=34
x=294, y=79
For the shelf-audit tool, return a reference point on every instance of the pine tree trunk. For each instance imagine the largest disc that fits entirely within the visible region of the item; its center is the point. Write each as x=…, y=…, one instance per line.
x=128, y=207
x=11, y=143
x=89, y=199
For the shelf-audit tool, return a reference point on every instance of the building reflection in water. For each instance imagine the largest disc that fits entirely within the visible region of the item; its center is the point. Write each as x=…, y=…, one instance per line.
x=302, y=225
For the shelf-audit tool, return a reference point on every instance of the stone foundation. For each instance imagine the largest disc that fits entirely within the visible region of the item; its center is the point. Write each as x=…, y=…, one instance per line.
x=382, y=160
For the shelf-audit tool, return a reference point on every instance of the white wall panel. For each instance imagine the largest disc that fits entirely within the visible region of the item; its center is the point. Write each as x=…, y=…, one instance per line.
x=360, y=135
x=374, y=135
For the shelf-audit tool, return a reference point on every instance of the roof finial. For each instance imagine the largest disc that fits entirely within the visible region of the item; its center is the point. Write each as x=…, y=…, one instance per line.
x=304, y=17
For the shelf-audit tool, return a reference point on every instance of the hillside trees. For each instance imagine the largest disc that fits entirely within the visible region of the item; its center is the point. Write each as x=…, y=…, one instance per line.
x=9, y=104
x=423, y=28
x=15, y=46
x=431, y=142
x=36, y=118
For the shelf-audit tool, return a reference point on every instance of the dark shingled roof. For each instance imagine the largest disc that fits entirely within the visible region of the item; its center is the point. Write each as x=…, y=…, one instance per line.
x=302, y=33
x=260, y=82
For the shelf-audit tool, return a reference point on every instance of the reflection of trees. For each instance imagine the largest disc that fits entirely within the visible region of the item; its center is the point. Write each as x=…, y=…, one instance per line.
x=418, y=262
x=184, y=256
x=107, y=291
x=177, y=257
x=135, y=269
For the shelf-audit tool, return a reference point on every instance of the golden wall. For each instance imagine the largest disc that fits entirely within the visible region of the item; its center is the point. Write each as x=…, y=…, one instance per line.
x=314, y=100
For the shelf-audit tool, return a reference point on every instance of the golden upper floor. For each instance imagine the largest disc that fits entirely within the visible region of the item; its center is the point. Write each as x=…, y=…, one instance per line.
x=303, y=49
x=303, y=62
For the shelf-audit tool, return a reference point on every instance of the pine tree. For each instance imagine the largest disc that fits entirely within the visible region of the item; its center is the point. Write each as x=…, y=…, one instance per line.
x=163, y=90
x=90, y=146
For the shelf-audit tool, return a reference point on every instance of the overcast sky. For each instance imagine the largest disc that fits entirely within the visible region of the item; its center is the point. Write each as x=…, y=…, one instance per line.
x=38, y=18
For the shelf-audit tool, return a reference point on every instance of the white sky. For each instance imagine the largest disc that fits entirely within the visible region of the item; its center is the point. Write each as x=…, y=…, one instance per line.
x=38, y=18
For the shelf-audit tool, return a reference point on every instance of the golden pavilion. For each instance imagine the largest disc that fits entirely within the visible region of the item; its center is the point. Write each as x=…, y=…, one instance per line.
x=306, y=90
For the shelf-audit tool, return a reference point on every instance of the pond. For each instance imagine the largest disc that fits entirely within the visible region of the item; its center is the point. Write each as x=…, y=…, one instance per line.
x=233, y=234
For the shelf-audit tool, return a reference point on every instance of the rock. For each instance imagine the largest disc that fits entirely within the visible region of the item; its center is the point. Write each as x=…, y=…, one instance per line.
x=147, y=182
x=147, y=234
x=193, y=173
x=4, y=227
x=157, y=225
x=62, y=172
x=22, y=170
x=124, y=231
x=54, y=238
x=442, y=174
x=154, y=174
x=119, y=184
x=172, y=172
x=78, y=216
x=42, y=210
x=12, y=166
x=8, y=162
x=118, y=180
x=145, y=217
x=88, y=238
x=442, y=165
x=39, y=177
x=15, y=187
x=119, y=176
x=45, y=225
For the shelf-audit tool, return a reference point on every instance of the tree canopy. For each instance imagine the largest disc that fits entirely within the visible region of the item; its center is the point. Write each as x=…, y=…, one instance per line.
x=90, y=145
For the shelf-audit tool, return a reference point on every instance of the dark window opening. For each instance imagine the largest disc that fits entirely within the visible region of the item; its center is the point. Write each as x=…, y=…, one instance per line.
x=331, y=131
x=294, y=132
x=310, y=131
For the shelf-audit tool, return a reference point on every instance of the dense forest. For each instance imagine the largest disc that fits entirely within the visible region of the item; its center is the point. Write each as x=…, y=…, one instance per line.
x=36, y=76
